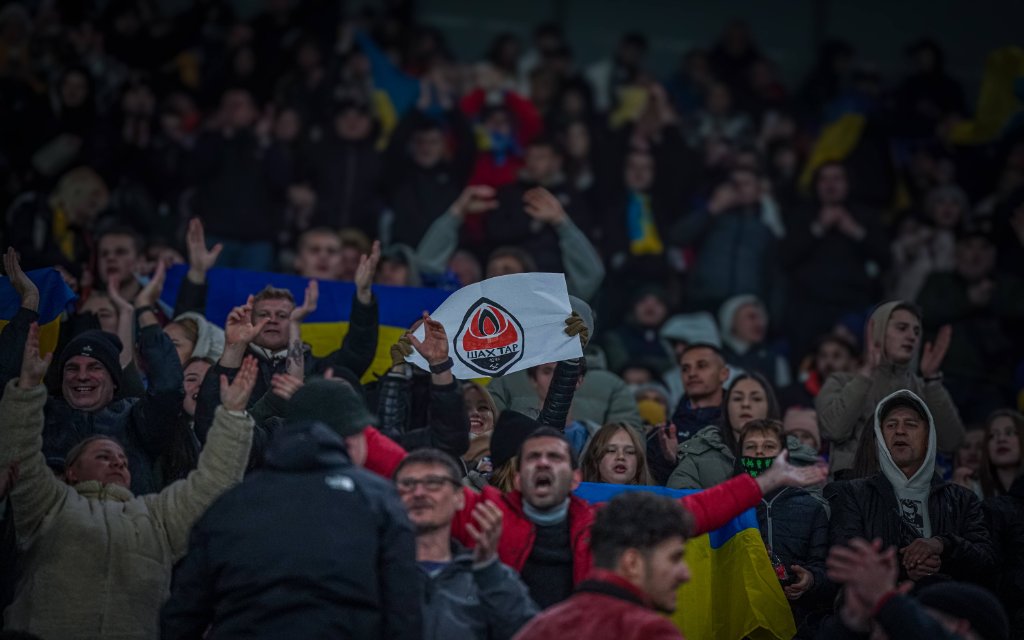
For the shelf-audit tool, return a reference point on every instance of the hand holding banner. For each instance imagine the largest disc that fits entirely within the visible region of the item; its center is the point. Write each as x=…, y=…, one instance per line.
x=506, y=324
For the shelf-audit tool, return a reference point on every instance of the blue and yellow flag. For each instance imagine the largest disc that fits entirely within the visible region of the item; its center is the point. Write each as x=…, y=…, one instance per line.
x=733, y=592
x=54, y=298
x=399, y=307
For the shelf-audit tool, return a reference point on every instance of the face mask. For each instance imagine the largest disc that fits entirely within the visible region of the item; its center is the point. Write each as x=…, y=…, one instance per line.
x=755, y=466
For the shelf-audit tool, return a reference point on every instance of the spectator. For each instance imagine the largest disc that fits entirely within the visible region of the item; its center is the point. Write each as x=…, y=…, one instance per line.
x=318, y=254
x=507, y=123
x=1005, y=518
x=359, y=579
x=802, y=424
x=679, y=332
x=428, y=164
x=268, y=326
x=743, y=322
x=481, y=412
x=892, y=347
x=344, y=170
x=737, y=215
x=638, y=543
x=720, y=120
x=830, y=252
x=967, y=463
x=1002, y=461
x=57, y=230
x=928, y=247
x=638, y=341
x=938, y=527
x=193, y=336
x=794, y=526
x=466, y=593
x=143, y=535
x=615, y=454
x=240, y=175
x=833, y=353
x=985, y=307
x=609, y=77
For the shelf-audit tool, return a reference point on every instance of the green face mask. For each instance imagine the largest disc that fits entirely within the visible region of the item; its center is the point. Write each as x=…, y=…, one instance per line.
x=755, y=466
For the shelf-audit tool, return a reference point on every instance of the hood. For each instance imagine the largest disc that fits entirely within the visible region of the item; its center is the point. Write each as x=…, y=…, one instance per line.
x=923, y=478
x=880, y=319
x=306, y=446
x=692, y=328
x=99, y=491
x=727, y=313
x=210, y=343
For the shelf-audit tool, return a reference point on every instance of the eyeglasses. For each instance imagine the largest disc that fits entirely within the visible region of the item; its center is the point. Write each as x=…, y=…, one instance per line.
x=430, y=483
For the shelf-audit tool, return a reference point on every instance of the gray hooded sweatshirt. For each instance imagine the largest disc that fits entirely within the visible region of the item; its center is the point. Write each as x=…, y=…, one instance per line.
x=911, y=493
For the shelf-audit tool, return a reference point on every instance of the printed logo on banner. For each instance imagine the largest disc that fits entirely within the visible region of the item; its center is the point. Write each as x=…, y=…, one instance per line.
x=490, y=339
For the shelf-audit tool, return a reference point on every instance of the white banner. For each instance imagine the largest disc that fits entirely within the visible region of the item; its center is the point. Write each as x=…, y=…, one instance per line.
x=505, y=324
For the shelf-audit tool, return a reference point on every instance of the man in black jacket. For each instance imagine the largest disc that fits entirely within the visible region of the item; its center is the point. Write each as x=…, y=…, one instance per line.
x=937, y=526
x=267, y=326
x=312, y=546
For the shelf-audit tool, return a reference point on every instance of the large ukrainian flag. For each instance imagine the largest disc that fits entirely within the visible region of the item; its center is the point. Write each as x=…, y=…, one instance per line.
x=733, y=592
x=398, y=307
x=54, y=298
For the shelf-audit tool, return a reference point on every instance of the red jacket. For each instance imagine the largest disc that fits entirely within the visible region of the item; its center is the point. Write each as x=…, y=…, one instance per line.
x=711, y=509
x=604, y=606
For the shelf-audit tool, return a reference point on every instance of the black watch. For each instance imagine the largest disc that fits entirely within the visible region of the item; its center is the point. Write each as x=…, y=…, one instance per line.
x=444, y=366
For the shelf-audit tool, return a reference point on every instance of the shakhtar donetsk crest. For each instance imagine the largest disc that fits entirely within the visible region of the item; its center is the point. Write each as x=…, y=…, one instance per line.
x=490, y=339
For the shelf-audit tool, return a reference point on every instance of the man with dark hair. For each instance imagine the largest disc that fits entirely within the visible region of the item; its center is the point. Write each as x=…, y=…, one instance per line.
x=704, y=374
x=312, y=546
x=638, y=542
x=467, y=593
x=318, y=254
x=937, y=526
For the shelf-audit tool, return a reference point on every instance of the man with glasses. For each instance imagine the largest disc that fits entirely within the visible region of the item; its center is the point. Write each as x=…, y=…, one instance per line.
x=311, y=546
x=467, y=593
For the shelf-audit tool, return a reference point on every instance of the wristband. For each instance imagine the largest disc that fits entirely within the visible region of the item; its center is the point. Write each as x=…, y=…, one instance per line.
x=442, y=367
x=936, y=378
x=141, y=310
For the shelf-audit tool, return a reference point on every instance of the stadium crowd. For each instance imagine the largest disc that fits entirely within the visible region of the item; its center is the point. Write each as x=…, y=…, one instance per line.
x=805, y=300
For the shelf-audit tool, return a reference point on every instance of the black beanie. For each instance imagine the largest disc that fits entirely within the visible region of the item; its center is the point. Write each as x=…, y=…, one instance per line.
x=510, y=431
x=99, y=345
x=971, y=603
x=332, y=402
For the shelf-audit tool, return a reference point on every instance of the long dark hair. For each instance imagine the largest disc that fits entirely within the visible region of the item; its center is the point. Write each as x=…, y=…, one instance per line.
x=774, y=413
x=990, y=483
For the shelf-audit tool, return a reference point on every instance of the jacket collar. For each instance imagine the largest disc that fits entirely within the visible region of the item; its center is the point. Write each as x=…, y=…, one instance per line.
x=100, y=491
x=611, y=584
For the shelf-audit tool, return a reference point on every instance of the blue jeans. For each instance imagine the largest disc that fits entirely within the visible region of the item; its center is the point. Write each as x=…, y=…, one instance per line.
x=255, y=256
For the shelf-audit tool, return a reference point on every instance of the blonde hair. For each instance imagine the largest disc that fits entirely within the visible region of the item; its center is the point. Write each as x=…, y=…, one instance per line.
x=504, y=477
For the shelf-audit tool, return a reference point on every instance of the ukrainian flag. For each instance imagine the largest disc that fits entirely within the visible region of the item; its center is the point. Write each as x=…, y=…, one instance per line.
x=733, y=592
x=398, y=307
x=54, y=298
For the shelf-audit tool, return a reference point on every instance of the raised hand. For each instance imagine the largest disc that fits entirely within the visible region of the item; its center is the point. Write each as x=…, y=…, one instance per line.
x=365, y=272
x=935, y=352
x=27, y=290
x=239, y=329
x=234, y=396
x=474, y=199
x=784, y=474
x=434, y=346
x=668, y=442
x=200, y=259
x=150, y=294
x=542, y=205
x=33, y=365
x=872, y=351
x=285, y=385
x=486, y=532
x=574, y=326
x=114, y=291
x=309, y=302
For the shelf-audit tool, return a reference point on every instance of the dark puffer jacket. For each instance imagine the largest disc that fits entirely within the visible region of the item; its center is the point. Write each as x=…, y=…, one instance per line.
x=1005, y=517
x=474, y=603
x=447, y=425
x=145, y=426
x=867, y=508
x=794, y=525
x=309, y=547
